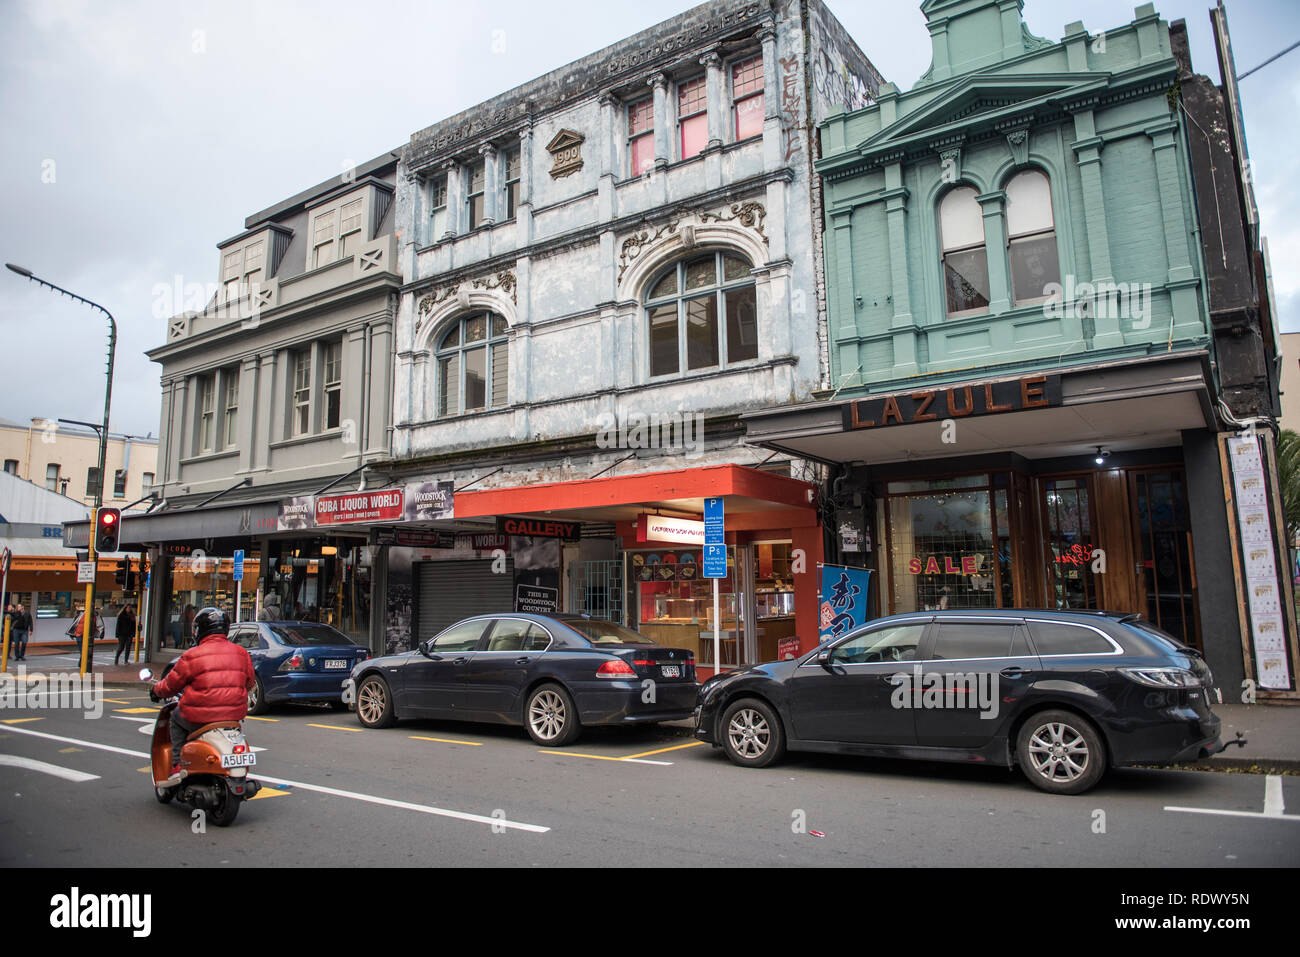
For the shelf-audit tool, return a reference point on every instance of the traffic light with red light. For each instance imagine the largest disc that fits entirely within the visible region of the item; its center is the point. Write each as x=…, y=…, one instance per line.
x=108, y=527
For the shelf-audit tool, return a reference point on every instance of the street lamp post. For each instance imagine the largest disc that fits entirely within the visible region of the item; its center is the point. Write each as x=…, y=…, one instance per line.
x=88, y=616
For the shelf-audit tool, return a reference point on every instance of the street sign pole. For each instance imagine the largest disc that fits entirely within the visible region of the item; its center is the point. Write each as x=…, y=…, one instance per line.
x=4, y=595
x=89, y=613
x=239, y=581
x=715, y=548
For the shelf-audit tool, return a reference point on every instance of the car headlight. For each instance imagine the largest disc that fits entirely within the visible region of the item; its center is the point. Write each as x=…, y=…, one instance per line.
x=1167, y=678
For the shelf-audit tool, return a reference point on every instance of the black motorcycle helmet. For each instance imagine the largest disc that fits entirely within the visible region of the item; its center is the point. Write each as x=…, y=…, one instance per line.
x=211, y=621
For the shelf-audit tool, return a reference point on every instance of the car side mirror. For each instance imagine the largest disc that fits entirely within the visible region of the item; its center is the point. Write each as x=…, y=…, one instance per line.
x=824, y=659
x=426, y=648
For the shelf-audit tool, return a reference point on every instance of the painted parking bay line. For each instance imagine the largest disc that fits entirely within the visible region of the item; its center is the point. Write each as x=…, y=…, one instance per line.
x=675, y=747
x=1273, y=805
x=472, y=744
x=334, y=727
x=31, y=764
x=336, y=792
x=19, y=720
x=601, y=757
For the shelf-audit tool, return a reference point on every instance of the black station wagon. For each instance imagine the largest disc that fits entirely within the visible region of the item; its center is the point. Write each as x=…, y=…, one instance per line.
x=1064, y=695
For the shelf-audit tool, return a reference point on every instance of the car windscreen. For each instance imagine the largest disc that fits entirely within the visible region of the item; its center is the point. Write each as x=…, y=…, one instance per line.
x=606, y=632
x=298, y=635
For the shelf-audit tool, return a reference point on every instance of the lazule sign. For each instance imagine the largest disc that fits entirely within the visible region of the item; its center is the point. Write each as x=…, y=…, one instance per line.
x=954, y=402
x=351, y=507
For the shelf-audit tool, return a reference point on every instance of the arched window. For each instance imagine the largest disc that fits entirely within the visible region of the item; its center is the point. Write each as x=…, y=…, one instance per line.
x=473, y=365
x=965, y=260
x=1031, y=237
x=702, y=312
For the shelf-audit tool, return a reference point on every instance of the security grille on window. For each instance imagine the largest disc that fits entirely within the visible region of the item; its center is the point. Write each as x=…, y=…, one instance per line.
x=302, y=392
x=333, y=384
x=1031, y=237
x=437, y=208
x=230, y=405
x=473, y=365
x=477, y=197
x=207, y=412
x=702, y=313
x=747, y=97
x=641, y=135
x=692, y=116
x=512, y=182
x=965, y=260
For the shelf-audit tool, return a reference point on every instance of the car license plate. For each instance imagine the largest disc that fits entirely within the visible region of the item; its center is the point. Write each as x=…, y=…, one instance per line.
x=245, y=760
x=335, y=664
x=672, y=671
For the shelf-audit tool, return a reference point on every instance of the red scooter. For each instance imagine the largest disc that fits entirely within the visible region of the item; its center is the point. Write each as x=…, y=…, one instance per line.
x=214, y=765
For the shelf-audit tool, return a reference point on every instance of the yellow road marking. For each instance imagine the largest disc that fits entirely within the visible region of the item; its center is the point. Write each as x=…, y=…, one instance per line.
x=68, y=750
x=472, y=744
x=254, y=718
x=115, y=701
x=269, y=793
x=675, y=747
x=136, y=710
x=147, y=770
x=333, y=727
x=20, y=720
x=575, y=754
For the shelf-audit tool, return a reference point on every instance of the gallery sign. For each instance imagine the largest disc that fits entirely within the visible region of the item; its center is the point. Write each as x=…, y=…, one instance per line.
x=539, y=528
x=384, y=505
x=954, y=402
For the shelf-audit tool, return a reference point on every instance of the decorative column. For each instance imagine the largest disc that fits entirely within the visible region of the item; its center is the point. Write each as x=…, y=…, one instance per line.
x=714, y=94
x=660, y=84
x=1087, y=151
x=524, y=214
x=455, y=199
x=606, y=158
x=995, y=244
x=1180, y=280
x=247, y=415
x=490, y=184
x=901, y=322
x=266, y=408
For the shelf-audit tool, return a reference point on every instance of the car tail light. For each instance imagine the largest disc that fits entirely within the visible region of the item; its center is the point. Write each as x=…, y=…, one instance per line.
x=1166, y=678
x=618, y=668
x=292, y=663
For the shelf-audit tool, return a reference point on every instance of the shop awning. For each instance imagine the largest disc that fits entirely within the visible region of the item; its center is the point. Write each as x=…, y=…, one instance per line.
x=1044, y=414
x=768, y=499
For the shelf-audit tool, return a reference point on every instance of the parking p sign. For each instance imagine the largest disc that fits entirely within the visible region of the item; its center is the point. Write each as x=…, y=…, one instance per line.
x=239, y=565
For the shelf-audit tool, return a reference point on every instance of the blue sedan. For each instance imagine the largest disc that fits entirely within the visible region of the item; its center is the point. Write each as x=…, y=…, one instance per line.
x=296, y=661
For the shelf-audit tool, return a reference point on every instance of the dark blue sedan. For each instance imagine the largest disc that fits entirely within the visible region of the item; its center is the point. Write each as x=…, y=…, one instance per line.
x=552, y=674
x=296, y=661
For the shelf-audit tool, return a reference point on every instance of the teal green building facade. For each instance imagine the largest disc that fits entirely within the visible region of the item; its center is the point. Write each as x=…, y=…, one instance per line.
x=1026, y=355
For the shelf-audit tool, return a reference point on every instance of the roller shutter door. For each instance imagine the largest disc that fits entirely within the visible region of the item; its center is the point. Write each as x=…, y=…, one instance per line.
x=450, y=591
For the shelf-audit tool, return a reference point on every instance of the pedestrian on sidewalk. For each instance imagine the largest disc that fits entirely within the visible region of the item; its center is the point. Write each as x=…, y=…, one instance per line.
x=96, y=634
x=125, y=633
x=21, y=630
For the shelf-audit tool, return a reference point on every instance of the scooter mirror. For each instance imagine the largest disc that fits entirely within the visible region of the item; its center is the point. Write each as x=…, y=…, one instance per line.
x=145, y=674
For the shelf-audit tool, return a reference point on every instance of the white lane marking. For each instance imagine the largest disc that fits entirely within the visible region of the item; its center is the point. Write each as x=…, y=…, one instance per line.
x=337, y=792
x=31, y=764
x=1273, y=804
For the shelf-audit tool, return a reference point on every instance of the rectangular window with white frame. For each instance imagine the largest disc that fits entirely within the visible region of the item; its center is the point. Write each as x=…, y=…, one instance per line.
x=641, y=136
x=512, y=182
x=52, y=476
x=333, y=384
x=477, y=194
x=747, y=97
x=230, y=407
x=437, y=208
x=693, y=116
x=324, y=238
x=230, y=274
x=301, y=410
x=351, y=235
x=207, y=403
x=146, y=484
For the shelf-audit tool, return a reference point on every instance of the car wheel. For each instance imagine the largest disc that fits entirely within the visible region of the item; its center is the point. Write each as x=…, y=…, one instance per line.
x=751, y=734
x=1060, y=752
x=551, y=717
x=257, y=698
x=375, y=703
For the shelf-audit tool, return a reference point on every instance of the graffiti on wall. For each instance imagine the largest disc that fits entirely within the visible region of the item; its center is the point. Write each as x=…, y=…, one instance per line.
x=791, y=140
x=839, y=84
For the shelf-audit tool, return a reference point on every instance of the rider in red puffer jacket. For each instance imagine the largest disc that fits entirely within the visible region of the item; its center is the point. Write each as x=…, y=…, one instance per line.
x=215, y=675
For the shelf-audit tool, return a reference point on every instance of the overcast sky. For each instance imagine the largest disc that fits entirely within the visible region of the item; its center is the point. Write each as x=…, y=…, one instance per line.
x=138, y=135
